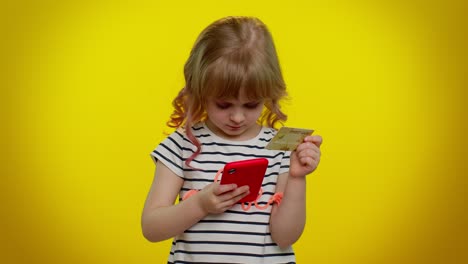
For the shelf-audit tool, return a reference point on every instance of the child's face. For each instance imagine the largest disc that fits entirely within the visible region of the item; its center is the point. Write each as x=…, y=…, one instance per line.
x=234, y=119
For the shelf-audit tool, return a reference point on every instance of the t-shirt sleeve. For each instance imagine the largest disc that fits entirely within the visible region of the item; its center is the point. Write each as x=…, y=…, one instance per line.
x=171, y=153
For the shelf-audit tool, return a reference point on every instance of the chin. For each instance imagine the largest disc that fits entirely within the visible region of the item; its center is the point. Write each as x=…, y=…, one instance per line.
x=234, y=133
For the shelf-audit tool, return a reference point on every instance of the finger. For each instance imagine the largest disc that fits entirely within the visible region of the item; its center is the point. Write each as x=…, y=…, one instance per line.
x=223, y=188
x=231, y=198
x=314, y=159
x=236, y=198
x=316, y=140
x=303, y=146
x=312, y=151
x=306, y=161
x=309, y=143
x=239, y=197
x=308, y=151
x=241, y=191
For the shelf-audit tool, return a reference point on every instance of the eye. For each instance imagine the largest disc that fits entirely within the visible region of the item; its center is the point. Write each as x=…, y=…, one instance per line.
x=252, y=105
x=222, y=105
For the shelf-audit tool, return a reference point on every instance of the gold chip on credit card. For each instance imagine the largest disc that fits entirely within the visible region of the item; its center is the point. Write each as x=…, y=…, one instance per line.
x=288, y=138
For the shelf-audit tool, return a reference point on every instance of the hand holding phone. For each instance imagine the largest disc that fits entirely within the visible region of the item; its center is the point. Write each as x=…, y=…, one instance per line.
x=246, y=172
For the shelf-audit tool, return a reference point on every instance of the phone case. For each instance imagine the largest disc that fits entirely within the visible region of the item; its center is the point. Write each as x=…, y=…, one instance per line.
x=246, y=172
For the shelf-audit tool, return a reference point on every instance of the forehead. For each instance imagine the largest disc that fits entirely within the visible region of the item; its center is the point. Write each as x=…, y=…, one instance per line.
x=242, y=98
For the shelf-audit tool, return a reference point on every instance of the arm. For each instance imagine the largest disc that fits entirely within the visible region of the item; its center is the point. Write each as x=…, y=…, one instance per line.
x=288, y=220
x=161, y=219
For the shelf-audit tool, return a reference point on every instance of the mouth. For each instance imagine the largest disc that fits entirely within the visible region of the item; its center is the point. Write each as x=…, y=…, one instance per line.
x=234, y=127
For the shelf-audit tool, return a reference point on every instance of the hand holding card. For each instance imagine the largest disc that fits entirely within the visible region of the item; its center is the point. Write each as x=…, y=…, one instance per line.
x=288, y=138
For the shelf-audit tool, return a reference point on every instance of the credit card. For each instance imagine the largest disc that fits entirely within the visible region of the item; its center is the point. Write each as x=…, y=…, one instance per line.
x=288, y=138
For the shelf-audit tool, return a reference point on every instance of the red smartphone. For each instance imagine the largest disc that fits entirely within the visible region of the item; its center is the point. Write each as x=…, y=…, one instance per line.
x=246, y=172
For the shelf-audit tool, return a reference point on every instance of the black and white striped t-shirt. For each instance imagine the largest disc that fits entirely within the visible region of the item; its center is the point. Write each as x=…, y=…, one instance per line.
x=236, y=236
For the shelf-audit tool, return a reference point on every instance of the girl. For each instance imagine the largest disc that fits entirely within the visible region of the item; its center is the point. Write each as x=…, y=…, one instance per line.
x=227, y=112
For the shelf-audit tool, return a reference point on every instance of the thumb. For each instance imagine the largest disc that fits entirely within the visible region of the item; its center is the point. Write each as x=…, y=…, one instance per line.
x=316, y=140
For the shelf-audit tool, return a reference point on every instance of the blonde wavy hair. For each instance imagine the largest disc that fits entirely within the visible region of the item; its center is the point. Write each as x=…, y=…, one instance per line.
x=230, y=55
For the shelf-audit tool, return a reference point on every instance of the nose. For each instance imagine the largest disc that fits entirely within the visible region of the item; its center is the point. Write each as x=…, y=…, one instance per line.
x=237, y=116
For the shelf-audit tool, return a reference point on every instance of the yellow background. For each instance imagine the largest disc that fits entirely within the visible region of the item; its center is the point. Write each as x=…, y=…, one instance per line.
x=86, y=89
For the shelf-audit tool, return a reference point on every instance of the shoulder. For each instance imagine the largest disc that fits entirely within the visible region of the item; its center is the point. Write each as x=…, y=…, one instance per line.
x=196, y=130
x=176, y=137
x=177, y=141
x=200, y=129
x=271, y=131
x=267, y=134
x=185, y=139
